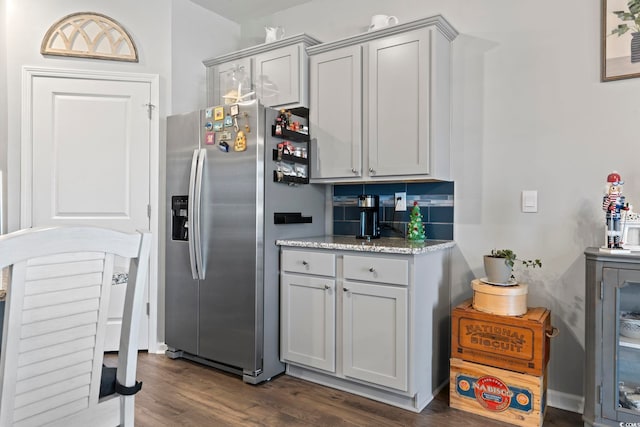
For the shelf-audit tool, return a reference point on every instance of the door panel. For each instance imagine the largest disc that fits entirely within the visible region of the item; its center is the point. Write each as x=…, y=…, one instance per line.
x=308, y=307
x=228, y=77
x=90, y=162
x=276, y=76
x=375, y=334
x=181, y=290
x=336, y=113
x=399, y=108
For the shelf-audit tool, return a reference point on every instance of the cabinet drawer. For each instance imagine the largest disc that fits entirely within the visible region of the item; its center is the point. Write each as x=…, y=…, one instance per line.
x=319, y=263
x=375, y=269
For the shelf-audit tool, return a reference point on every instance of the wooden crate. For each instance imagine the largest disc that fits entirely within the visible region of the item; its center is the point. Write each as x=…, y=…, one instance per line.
x=519, y=344
x=507, y=396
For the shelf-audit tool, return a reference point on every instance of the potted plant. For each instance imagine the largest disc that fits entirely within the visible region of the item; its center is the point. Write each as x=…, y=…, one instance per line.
x=631, y=20
x=498, y=265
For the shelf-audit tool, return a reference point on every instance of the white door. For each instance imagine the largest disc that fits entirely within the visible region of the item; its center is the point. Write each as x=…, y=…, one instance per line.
x=90, y=163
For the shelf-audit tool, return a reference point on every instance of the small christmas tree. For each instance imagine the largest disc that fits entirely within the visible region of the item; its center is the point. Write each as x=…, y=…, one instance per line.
x=415, y=228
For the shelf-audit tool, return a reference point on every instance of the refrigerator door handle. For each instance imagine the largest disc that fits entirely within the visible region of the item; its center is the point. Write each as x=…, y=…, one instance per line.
x=191, y=212
x=202, y=157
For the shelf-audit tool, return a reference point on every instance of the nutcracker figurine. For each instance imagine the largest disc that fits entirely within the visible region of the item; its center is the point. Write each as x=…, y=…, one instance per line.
x=612, y=203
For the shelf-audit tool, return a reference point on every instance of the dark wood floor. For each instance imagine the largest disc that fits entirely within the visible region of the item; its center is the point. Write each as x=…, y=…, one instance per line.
x=183, y=393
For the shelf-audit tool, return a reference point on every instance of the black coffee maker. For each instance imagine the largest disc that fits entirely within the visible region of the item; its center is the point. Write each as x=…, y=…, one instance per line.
x=369, y=226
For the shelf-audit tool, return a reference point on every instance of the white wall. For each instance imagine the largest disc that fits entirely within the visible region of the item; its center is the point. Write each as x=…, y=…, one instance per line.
x=196, y=34
x=529, y=113
x=3, y=118
x=148, y=23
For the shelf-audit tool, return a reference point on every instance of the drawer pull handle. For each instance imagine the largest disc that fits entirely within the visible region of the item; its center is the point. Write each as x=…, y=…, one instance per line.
x=305, y=263
x=372, y=270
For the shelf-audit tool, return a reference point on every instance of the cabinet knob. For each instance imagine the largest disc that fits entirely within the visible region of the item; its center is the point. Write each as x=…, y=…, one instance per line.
x=372, y=270
x=372, y=171
x=305, y=263
x=345, y=289
x=327, y=287
x=354, y=170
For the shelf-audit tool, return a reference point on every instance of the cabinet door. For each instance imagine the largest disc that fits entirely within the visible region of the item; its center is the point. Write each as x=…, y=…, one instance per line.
x=621, y=350
x=335, y=113
x=375, y=334
x=276, y=76
x=308, y=321
x=227, y=78
x=399, y=116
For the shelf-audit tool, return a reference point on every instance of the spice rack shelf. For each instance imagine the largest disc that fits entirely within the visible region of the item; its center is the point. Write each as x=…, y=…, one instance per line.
x=293, y=168
x=290, y=135
x=282, y=157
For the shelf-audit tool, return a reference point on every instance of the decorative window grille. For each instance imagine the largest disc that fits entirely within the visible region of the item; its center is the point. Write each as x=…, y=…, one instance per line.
x=89, y=35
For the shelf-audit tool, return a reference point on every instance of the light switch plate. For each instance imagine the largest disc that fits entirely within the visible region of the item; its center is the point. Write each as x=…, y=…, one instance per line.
x=530, y=201
x=401, y=201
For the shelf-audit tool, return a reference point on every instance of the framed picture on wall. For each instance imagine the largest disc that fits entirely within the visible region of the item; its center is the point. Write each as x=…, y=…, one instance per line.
x=620, y=46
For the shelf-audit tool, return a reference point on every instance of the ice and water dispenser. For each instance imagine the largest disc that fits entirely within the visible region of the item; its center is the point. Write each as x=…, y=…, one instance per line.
x=179, y=218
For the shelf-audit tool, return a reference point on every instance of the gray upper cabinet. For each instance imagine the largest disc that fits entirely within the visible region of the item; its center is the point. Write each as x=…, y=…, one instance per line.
x=278, y=76
x=336, y=113
x=276, y=71
x=227, y=77
x=380, y=104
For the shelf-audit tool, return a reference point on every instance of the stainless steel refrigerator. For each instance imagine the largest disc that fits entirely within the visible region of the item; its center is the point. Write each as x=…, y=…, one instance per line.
x=221, y=266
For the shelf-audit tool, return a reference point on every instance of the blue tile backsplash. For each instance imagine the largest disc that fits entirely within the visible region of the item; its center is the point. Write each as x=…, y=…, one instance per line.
x=434, y=198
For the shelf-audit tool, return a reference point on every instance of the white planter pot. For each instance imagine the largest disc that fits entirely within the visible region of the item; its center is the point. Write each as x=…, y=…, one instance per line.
x=497, y=269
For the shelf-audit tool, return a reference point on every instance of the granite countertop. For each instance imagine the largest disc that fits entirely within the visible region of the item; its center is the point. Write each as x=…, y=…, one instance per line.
x=388, y=245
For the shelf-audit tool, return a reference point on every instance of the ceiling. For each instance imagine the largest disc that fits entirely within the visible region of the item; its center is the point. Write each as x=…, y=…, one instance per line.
x=240, y=10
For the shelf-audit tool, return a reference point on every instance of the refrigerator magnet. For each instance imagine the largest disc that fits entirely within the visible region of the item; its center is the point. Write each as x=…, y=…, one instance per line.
x=208, y=113
x=235, y=109
x=217, y=126
x=208, y=126
x=241, y=142
x=223, y=146
x=210, y=138
x=225, y=136
x=228, y=121
x=218, y=113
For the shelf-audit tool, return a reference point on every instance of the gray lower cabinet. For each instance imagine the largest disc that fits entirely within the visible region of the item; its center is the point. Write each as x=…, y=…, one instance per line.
x=612, y=344
x=372, y=324
x=380, y=104
x=277, y=72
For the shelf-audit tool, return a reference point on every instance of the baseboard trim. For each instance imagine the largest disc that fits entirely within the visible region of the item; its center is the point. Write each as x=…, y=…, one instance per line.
x=160, y=348
x=565, y=401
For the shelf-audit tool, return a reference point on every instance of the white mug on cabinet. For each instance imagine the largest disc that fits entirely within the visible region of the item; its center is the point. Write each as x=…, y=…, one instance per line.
x=381, y=21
